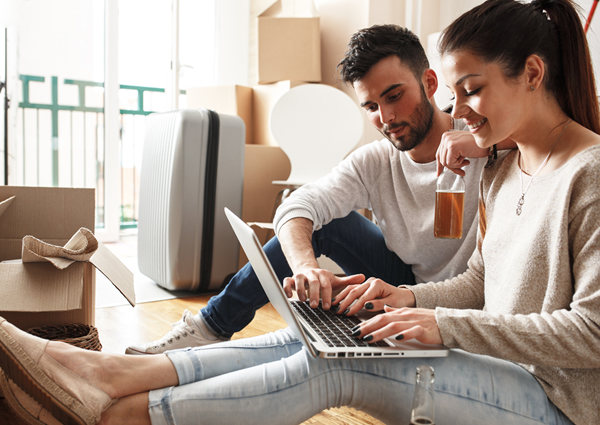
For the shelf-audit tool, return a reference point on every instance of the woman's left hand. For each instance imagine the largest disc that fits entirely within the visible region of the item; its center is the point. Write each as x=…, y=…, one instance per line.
x=454, y=149
x=406, y=323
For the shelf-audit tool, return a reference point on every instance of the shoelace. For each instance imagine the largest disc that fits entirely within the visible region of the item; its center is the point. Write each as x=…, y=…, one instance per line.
x=175, y=333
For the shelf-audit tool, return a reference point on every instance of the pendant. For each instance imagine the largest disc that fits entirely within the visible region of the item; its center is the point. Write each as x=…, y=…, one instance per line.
x=520, y=204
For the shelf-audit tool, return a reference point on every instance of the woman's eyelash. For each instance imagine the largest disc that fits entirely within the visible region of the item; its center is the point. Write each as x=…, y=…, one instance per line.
x=467, y=93
x=471, y=93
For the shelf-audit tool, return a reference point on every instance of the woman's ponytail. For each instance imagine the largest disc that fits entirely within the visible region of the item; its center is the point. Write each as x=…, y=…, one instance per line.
x=575, y=88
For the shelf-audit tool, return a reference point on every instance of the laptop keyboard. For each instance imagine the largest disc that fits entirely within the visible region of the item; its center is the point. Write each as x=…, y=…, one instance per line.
x=334, y=329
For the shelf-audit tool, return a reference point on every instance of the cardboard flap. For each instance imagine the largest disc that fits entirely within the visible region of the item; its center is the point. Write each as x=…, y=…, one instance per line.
x=5, y=204
x=291, y=9
x=80, y=247
x=111, y=267
x=40, y=287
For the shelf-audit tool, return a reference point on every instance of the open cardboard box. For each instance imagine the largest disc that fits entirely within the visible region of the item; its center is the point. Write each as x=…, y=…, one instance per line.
x=39, y=293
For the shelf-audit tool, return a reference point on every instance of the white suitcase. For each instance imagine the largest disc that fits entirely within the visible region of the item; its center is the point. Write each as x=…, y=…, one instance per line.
x=192, y=167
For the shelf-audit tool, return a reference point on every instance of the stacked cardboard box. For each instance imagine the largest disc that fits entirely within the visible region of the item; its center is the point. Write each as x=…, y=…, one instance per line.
x=289, y=42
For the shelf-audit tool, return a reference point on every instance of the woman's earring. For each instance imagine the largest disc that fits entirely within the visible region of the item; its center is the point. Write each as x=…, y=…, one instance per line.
x=532, y=88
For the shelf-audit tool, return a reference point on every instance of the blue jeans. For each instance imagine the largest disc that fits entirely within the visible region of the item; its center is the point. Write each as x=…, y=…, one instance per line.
x=354, y=243
x=271, y=379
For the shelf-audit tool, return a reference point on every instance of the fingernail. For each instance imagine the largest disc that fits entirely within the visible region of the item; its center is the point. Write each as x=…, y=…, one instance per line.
x=335, y=308
x=356, y=332
x=346, y=312
x=333, y=300
x=400, y=337
x=368, y=338
x=355, y=328
x=369, y=306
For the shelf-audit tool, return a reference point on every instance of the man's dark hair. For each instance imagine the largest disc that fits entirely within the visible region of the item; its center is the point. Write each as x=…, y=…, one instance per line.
x=369, y=45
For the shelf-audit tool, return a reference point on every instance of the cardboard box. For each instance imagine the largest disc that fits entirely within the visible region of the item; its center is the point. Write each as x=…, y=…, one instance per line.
x=289, y=42
x=231, y=100
x=263, y=100
x=263, y=164
x=39, y=293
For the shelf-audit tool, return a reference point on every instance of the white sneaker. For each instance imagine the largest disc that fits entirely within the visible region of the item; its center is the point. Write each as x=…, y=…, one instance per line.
x=187, y=332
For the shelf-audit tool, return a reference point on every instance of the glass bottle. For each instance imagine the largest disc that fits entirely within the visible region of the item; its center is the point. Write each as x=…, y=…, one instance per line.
x=449, y=206
x=423, y=412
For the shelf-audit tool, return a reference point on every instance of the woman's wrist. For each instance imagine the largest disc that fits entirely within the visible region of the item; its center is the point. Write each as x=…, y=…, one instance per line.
x=408, y=298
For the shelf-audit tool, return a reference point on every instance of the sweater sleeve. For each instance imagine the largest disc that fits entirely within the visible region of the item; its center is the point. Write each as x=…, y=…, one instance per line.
x=564, y=338
x=342, y=191
x=464, y=291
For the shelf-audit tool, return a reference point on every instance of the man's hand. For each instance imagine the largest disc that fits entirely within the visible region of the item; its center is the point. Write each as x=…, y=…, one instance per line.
x=373, y=295
x=454, y=149
x=320, y=283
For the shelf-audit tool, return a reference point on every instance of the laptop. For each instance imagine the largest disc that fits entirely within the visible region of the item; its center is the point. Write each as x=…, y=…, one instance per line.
x=314, y=327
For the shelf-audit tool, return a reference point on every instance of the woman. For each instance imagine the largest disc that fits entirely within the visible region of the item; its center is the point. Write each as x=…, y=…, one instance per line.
x=525, y=314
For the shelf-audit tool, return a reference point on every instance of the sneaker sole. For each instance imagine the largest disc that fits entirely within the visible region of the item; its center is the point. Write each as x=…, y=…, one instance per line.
x=137, y=353
x=22, y=370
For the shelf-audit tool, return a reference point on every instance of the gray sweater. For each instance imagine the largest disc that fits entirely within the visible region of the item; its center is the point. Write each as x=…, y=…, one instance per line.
x=401, y=194
x=531, y=294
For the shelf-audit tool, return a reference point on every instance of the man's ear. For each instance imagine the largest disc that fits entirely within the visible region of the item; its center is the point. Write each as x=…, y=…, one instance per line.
x=430, y=82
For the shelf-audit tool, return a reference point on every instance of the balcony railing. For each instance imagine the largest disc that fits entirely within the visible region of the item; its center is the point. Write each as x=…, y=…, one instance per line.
x=63, y=144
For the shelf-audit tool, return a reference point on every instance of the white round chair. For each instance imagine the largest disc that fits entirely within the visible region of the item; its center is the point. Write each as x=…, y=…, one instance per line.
x=316, y=126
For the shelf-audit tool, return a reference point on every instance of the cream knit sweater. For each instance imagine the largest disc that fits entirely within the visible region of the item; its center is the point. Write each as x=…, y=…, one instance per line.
x=531, y=294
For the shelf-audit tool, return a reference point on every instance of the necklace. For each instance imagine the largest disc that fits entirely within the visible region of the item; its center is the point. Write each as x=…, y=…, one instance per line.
x=523, y=192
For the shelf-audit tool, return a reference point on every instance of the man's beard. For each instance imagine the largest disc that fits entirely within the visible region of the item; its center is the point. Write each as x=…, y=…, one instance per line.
x=422, y=118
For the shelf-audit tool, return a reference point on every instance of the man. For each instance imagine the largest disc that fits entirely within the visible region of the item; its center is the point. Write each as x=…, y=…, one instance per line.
x=389, y=70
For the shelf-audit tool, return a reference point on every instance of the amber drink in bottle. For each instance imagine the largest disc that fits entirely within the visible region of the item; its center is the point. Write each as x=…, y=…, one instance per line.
x=423, y=412
x=449, y=206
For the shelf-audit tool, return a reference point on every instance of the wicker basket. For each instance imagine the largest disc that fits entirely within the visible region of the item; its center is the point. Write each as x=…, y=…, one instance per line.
x=77, y=334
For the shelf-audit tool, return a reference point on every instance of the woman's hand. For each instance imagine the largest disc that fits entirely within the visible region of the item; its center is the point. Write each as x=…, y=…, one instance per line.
x=372, y=295
x=405, y=323
x=454, y=149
